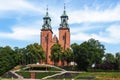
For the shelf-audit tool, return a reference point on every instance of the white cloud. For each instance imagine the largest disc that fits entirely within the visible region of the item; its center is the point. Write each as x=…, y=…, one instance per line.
x=20, y=7
x=80, y=36
x=85, y=27
x=22, y=33
x=23, y=8
x=25, y=32
x=85, y=36
x=114, y=31
x=88, y=15
x=110, y=35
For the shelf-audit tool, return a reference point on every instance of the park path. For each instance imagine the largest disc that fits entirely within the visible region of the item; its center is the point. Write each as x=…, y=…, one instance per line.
x=61, y=72
x=19, y=76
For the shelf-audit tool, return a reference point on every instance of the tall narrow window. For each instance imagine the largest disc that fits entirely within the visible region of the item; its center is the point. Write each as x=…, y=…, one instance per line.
x=63, y=37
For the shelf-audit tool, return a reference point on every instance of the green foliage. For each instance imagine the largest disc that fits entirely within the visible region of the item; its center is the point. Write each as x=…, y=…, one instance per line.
x=97, y=49
x=88, y=53
x=8, y=59
x=109, y=58
x=67, y=56
x=56, y=51
x=75, y=47
x=35, y=53
x=57, y=54
x=117, y=58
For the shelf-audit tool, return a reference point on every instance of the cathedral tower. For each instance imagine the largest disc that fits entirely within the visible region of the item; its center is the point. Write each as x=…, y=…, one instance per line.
x=46, y=36
x=64, y=31
x=47, y=41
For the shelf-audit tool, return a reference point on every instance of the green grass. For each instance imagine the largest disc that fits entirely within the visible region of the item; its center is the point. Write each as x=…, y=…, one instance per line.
x=43, y=74
x=98, y=75
x=54, y=69
x=38, y=75
x=8, y=79
x=19, y=79
x=24, y=74
x=101, y=75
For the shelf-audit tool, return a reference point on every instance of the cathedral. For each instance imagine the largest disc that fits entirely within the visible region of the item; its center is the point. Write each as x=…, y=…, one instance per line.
x=47, y=38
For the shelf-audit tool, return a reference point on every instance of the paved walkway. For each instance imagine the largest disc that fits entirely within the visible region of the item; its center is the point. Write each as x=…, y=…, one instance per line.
x=61, y=72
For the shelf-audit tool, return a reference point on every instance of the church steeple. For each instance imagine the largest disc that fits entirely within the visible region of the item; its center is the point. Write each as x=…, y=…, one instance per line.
x=46, y=36
x=47, y=21
x=64, y=19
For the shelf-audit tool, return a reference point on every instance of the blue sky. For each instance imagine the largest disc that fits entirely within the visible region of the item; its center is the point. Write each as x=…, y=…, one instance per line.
x=21, y=21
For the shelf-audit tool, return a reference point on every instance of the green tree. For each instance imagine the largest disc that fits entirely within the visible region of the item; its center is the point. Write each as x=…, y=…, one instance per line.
x=35, y=52
x=97, y=49
x=62, y=58
x=83, y=58
x=75, y=48
x=22, y=53
x=109, y=58
x=117, y=57
x=68, y=55
x=88, y=53
x=32, y=53
x=7, y=59
x=56, y=51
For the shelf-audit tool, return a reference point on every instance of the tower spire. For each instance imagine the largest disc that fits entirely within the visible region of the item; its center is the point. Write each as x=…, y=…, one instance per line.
x=64, y=19
x=64, y=12
x=64, y=7
x=47, y=20
x=46, y=10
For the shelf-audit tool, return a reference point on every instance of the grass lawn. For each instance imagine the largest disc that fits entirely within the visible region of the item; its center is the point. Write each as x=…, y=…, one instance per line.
x=38, y=75
x=98, y=75
x=43, y=74
x=101, y=75
x=8, y=79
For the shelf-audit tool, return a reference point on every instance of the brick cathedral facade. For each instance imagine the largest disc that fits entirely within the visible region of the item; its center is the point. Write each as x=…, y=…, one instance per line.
x=47, y=38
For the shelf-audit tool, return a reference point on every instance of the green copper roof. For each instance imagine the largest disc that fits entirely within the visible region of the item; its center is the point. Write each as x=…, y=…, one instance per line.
x=47, y=21
x=64, y=18
x=64, y=13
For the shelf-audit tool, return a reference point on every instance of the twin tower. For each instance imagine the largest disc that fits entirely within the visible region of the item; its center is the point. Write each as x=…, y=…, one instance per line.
x=47, y=38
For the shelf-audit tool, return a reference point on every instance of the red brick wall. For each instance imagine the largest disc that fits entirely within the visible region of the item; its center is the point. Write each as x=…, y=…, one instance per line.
x=65, y=43
x=46, y=45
